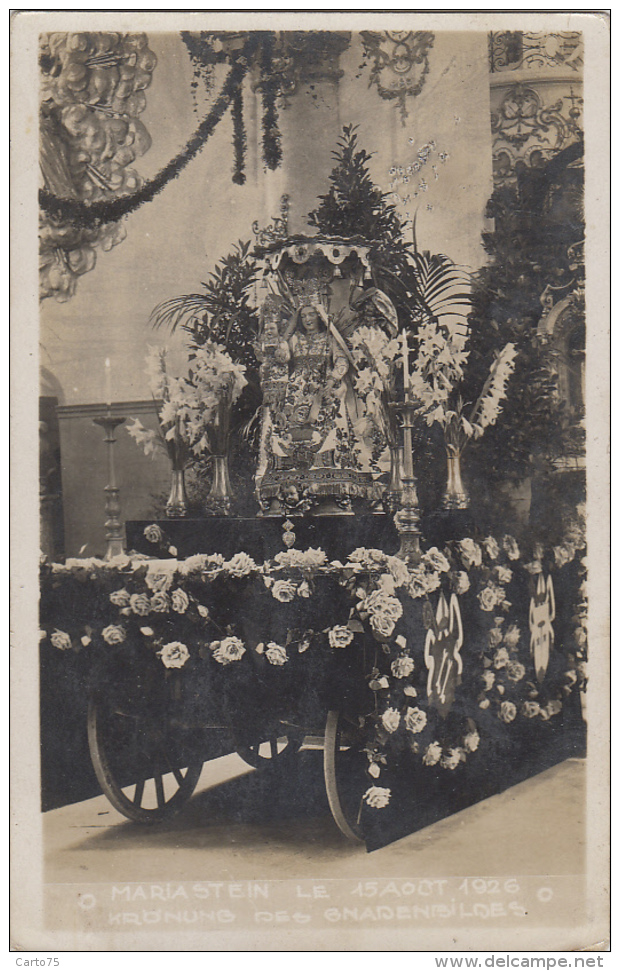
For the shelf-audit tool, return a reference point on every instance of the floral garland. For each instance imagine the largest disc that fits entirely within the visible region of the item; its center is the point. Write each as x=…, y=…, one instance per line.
x=186, y=613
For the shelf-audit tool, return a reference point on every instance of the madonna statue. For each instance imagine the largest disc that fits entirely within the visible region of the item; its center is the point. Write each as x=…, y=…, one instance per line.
x=319, y=449
x=316, y=454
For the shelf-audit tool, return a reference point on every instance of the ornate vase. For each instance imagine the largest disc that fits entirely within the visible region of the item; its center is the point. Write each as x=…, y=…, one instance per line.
x=176, y=507
x=219, y=498
x=394, y=491
x=455, y=495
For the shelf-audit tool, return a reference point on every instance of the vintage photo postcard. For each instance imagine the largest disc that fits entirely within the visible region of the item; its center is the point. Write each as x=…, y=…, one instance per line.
x=310, y=639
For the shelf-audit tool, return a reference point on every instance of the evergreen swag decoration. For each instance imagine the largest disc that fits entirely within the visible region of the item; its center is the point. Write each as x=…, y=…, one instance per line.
x=87, y=215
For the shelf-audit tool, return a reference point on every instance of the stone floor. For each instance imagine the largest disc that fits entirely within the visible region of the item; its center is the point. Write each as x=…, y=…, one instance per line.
x=241, y=824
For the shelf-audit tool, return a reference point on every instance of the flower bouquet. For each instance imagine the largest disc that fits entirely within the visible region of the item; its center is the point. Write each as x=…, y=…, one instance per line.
x=435, y=377
x=217, y=382
x=177, y=400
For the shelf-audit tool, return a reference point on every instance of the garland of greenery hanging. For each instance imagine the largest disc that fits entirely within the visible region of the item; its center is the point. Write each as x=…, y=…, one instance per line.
x=83, y=214
x=239, y=137
x=272, y=151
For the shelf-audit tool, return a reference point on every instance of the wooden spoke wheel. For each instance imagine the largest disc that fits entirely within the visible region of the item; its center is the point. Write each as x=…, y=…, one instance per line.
x=139, y=761
x=276, y=746
x=344, y=768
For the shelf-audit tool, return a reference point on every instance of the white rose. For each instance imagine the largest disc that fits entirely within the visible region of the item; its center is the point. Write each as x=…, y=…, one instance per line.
x=564, y=554
x=503, y=574
x=340, y=636
x=174, y=654
x=471, y=741
x=140, y=604
x=452, y=758
x=113, y=634
x=507, y=711
x=492, y=547
x=276, y=654
x=382, y=624
x=240, y=565
x=501, y=658
x=515, y=671
x=160, y=602
x=510, y=546
x=179, y=600
x=461, y=582
x=489, y=597
x=303, y=590
x=120, y=598
x=415, y=720
x=390, y=719
x=402, y=666
x=377, y=797
x=488, y=678
x=436, y=560
x=512, y=636
x=432, y=754
x=471, y=554
x=284, y=591
x=227, y=650
x=61, y=640
x=386, y=584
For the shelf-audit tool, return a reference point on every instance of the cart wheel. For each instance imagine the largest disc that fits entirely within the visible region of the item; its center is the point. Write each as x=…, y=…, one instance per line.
x=344, y=769
x=134, y=760
x=279, y=746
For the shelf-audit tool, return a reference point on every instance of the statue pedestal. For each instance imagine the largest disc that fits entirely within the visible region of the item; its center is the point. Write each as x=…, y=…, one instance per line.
x=262, y=538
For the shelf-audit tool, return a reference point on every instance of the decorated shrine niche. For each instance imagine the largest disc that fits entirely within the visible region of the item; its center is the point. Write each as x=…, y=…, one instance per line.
x=321, y=451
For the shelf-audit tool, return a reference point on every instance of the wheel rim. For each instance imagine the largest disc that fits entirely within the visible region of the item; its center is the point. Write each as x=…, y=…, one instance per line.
x=344, y=765
x=156, y=788
x=278, y=746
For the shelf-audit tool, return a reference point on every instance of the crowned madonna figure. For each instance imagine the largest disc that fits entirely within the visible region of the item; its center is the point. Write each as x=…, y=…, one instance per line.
x=319, y=450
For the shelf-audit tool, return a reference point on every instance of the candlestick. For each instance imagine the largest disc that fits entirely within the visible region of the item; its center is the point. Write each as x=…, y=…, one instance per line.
x=113, y=525
x=407, y=519
x=108, y=382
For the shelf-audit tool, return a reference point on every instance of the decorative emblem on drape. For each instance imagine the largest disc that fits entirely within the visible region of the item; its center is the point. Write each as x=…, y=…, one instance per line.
x=399, y=63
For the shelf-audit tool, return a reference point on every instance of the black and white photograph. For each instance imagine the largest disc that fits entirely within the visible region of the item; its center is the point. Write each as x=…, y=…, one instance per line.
x=310, y=481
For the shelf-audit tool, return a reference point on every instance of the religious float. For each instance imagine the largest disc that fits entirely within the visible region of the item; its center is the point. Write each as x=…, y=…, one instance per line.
x=343, y=595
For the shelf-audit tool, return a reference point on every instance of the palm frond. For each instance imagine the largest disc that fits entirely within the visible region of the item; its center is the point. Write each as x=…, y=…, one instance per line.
x=443, y=287
x=171, y=313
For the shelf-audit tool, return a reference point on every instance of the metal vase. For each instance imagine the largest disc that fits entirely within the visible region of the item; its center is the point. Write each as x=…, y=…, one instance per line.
x=394, y=492
x=176, y=507
x=219, y=499
x=455, y=495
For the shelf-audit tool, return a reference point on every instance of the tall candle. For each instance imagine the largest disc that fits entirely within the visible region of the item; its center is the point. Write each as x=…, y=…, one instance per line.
x=108, y=382
x=406, y=380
